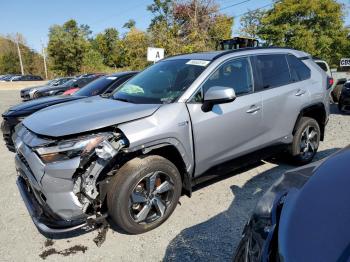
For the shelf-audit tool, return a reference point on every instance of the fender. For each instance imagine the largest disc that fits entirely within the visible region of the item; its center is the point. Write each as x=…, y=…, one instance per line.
x=316, y=111
x=185, y=168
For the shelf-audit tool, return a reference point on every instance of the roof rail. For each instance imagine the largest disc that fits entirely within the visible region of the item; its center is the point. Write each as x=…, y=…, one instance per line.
x=250, y=48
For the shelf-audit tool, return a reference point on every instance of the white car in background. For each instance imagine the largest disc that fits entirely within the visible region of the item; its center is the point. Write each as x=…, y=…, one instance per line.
x=339, y=79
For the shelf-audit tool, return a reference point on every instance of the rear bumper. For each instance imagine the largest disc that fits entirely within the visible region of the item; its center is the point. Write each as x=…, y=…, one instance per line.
x=42, y=216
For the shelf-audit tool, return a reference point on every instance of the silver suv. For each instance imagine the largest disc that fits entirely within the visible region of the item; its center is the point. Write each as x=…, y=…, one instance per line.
x=129, y=157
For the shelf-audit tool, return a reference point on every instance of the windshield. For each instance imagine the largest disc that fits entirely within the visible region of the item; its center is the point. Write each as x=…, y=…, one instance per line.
x=52, y=82
x=69, y=83
x=96, y=87
x=162, y=82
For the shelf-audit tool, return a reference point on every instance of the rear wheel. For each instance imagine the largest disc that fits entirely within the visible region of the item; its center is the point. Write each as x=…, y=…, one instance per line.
x=306, y=141
x=143, y=194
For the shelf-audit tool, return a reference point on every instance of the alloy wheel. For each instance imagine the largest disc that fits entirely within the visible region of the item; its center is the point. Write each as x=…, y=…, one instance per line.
x=151, y=197
x=309, y=142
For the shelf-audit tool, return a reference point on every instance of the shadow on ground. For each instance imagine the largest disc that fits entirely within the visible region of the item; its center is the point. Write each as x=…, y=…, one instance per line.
x=217, y=238
x=335, y=111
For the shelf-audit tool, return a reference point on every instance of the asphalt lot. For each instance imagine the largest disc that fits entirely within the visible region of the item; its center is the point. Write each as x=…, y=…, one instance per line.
x=206, y=227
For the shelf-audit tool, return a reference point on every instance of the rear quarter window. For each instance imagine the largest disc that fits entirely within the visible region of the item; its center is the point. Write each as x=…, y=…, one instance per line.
x=298, y=70
x=323, y=66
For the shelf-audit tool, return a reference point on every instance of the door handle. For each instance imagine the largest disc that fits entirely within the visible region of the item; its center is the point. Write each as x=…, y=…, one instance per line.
x=253, y=109
x=300, y=92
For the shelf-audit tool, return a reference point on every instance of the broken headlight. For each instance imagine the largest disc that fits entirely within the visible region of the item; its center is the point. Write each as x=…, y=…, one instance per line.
x=71, y=148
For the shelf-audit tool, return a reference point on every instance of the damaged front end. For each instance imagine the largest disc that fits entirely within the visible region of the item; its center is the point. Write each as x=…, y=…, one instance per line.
x=63, y=180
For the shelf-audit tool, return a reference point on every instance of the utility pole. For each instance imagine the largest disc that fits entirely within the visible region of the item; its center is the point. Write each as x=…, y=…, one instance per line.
x=19, y=54
x=44, y=56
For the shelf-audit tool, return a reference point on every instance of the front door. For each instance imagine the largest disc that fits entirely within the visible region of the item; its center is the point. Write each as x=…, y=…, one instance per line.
x=228, y=130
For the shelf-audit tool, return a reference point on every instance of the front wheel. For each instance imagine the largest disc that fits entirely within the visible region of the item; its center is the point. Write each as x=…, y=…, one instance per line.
x=143, y=194
x=306, y=141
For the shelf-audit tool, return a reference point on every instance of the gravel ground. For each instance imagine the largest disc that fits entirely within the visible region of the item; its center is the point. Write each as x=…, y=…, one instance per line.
x=206, y=227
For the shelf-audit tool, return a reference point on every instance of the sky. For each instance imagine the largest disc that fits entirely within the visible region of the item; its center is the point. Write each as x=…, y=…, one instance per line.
x=33, y=18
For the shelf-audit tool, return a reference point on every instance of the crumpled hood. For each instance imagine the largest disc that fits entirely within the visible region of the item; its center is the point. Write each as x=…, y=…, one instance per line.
x=85, y=115
x=314, y=224
x=37, y=104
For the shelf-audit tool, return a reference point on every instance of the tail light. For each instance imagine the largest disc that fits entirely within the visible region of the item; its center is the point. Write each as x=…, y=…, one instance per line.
x=330, y=82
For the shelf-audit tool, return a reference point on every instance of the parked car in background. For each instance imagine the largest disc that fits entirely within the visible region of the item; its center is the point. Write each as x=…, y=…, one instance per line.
x=28, y=93
x=75, y=89
x=8, y=77
x=26, y=78
x=15, y=114
x=60, y=89
x=70, y=91
x=131, y=155
x=324, y=65
x=344, y=99
x=304, y=216
x=339, y=79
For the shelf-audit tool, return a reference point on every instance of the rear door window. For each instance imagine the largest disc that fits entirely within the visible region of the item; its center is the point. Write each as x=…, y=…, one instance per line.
x=273, y=70
x=298, y=70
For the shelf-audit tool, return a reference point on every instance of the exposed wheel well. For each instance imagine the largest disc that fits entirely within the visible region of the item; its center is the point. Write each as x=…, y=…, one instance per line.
x=173, y=155
x=317, y=112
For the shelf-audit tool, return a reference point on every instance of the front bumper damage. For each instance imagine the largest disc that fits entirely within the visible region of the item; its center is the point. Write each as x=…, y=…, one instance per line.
x=62, y=196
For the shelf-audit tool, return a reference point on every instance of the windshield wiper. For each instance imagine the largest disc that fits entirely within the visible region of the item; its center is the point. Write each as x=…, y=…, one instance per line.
x=107, y=95
x=122, y=99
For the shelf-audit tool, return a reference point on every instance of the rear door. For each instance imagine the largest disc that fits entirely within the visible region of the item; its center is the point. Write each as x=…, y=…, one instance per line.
x=230, y=129
x=284, y=94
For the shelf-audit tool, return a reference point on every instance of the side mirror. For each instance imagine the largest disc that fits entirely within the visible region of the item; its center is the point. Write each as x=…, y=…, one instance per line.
x=217, y=95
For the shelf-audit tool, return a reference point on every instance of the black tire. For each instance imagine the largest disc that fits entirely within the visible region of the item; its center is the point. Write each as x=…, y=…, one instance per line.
x=128, y=179
x=340, y=106
x=36, y=95
x=299, y=157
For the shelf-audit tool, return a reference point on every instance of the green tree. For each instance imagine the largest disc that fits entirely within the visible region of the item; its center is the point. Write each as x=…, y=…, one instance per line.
x=67, y=46
x=92, y=62
x=250, y=23
x=106, y=43
x=188, y=26
x=314, y=26
x=9, y=61
x=162, y=11
x=133, y=49
x=221, y=28
x=130, y=24
x=200, y=24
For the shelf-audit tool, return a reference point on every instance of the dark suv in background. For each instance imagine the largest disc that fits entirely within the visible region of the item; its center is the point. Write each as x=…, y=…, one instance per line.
x=15, y=114
x=27, y=93
x=60, y=89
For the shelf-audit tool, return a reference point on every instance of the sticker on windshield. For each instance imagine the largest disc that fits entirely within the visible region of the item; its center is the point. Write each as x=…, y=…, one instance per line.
x=198, y=62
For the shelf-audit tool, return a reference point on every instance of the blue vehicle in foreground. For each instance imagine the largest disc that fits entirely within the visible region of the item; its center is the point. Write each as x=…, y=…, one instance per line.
x=304, y=216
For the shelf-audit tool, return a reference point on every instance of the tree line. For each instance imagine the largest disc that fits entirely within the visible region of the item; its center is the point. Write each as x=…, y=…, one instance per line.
x=184, y=26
